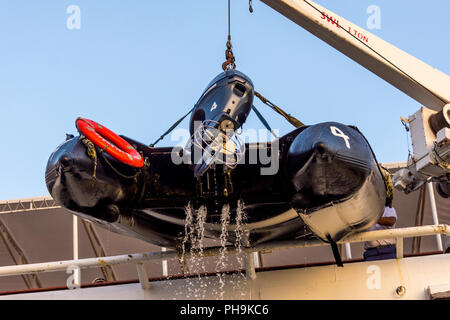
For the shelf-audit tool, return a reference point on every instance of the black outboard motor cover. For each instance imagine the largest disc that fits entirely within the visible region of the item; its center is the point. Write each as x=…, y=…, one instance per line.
x=221, y=110
x=229, y=96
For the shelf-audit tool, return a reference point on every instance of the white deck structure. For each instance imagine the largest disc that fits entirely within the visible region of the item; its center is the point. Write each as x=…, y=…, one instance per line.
x=416, y=278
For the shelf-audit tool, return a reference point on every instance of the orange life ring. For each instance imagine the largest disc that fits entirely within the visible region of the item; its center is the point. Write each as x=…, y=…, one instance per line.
x=109, y=142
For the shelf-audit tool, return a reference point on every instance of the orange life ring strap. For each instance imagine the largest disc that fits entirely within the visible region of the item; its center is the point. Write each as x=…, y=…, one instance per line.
x=110, y=142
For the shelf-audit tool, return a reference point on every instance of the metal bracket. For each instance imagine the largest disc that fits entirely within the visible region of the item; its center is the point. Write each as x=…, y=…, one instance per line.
x=143, y=277
x=250, y=266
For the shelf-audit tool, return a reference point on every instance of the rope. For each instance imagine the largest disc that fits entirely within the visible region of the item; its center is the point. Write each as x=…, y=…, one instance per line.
x=92, y=153
x=117, y=171
x=229, y=19
x=171, y=128
x=405, y=123
x=389, y=186
x=292, y=120
x=264, y=122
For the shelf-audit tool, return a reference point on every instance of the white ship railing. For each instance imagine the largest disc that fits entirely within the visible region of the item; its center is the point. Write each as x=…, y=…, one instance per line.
x=139, y=258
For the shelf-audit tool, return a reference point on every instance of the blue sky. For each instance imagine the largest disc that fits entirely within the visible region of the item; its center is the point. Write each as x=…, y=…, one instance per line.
x=137, y=66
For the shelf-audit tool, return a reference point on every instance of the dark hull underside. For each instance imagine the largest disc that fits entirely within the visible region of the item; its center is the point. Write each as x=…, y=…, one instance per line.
x=315, y=172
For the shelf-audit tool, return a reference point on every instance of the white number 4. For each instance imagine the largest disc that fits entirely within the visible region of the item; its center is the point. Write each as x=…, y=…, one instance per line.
x=338, y=133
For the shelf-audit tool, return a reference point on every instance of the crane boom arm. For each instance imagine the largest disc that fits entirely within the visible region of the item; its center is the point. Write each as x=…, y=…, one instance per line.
x=417, y=79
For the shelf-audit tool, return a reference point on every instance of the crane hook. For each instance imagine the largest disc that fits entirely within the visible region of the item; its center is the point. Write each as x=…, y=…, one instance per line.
x=229, y=56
